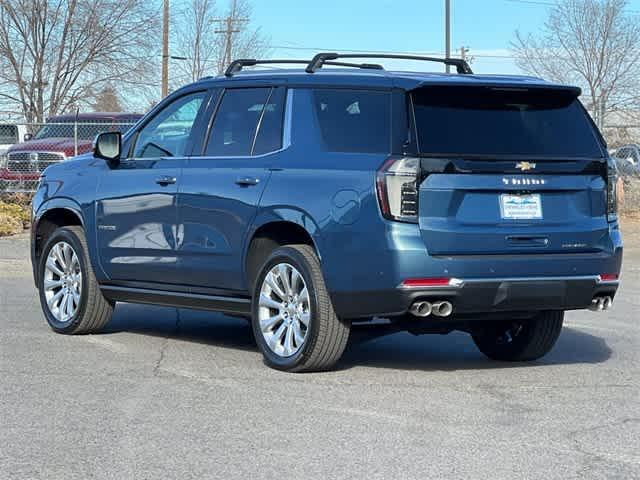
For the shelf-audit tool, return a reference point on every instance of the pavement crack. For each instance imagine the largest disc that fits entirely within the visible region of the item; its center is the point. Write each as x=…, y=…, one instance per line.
x=163, y=349
x=165, y=344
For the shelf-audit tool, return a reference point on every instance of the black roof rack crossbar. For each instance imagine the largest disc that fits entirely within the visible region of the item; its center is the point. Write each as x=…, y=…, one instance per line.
x=237, y=65
x=322, y=58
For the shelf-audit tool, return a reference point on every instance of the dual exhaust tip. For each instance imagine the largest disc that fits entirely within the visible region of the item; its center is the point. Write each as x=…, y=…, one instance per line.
x=424, y=309
x=444, y=308
x=598, y=304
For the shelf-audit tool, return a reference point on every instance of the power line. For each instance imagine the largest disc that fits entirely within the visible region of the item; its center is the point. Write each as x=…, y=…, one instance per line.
x=358, y=50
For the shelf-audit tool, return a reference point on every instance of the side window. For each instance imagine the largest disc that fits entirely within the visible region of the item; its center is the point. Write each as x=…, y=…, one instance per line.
x=234, y=127
x=354, y=120
x=269, y=138
x=167, y=134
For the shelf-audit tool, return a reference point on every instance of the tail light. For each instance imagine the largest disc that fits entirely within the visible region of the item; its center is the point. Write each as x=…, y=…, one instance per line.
x=397, y=187
x=612, y=193
x=608, y=277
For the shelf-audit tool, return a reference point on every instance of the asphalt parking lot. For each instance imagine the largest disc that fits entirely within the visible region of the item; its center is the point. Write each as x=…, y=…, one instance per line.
x=166, y=394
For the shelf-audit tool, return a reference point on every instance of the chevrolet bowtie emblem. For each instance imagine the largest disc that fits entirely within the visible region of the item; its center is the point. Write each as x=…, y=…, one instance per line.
x=525, y=166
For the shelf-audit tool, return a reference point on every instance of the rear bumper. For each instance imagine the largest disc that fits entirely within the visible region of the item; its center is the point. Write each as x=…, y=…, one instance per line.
x=480, y=296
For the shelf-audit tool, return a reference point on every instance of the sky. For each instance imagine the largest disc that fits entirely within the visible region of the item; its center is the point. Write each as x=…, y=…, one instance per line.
x=298, y=28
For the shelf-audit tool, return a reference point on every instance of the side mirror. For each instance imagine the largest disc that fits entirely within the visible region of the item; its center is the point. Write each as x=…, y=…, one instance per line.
x=107, y=146
x=27, y=137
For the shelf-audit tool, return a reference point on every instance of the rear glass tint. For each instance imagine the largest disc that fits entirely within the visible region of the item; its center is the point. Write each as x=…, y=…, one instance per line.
x=354, y=120
x=492, y=121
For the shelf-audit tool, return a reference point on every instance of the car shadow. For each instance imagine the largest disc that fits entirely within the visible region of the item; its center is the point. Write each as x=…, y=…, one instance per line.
x=188, y=325
x=455, y=351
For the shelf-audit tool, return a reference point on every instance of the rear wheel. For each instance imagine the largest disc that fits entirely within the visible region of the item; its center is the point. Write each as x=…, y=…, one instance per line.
x=69, y=294
x=521, y=340
x=293, y=319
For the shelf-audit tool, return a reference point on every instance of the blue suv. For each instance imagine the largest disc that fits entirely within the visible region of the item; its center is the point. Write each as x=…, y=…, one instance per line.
x=309, y=200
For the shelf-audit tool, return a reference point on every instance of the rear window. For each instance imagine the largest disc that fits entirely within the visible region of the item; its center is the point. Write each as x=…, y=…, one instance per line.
x=8, y=134
x=354, y=120
x=493, y=121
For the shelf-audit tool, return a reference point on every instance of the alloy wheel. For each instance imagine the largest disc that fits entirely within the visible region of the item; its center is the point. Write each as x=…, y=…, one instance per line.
x=284, y=311
x=62, y=282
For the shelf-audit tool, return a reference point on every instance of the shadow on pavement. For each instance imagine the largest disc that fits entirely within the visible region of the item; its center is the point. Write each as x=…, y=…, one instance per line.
x=455, y=351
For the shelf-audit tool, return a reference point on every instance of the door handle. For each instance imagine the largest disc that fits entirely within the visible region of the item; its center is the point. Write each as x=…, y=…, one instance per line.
x=165, y=180
x=247, y=181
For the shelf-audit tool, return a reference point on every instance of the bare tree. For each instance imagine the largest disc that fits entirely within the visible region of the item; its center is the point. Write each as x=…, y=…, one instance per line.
x=591, y=43
x=57, y=54
x=196, y=39
x=207, y=37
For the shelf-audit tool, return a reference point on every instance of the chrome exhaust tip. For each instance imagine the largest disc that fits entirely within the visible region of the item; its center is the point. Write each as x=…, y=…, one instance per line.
x=442, y=309
x=421, y=309
x=598, y=304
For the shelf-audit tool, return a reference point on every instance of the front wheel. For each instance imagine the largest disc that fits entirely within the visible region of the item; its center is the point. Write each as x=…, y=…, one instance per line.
x=293, y=319
x=522, y=340
x=69, y=293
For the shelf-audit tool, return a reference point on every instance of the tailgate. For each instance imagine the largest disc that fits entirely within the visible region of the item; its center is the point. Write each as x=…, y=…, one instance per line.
x=506, y=214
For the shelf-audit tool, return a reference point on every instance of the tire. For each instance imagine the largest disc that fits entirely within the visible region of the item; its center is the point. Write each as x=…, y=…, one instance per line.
x=520, y=341
x=93, y=311
x=325, y=335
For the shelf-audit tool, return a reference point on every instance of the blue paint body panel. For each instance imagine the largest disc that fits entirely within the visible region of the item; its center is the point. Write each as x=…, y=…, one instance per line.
x=197, y=231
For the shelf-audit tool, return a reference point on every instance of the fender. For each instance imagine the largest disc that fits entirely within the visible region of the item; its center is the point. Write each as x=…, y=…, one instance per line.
x=63, y=203
x=287, y=214
x=70, y=205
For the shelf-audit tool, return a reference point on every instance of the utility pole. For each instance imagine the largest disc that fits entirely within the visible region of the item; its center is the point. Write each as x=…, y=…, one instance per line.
x=447, y=31
x=230, y=28
x=165, y=48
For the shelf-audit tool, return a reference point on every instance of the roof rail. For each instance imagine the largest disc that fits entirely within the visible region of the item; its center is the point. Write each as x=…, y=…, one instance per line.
x=237, y=65
x=320, y=59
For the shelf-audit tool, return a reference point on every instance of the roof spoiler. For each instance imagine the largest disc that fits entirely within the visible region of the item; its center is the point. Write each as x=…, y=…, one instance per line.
x=502, y=85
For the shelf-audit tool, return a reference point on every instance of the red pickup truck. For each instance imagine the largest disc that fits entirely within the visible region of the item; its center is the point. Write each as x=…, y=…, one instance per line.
x=60, y=138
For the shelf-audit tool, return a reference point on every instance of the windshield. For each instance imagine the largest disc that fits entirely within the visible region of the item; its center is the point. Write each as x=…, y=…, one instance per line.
x=86, y=131
x=8, y=134
x=501, y=121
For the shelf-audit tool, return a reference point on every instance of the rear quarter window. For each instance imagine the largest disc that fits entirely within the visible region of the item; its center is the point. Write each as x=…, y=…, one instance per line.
x=354, y=120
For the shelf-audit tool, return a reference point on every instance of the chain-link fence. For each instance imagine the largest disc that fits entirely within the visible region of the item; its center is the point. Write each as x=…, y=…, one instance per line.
x=28, y=149
x=621, y=134
x=624, y=146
